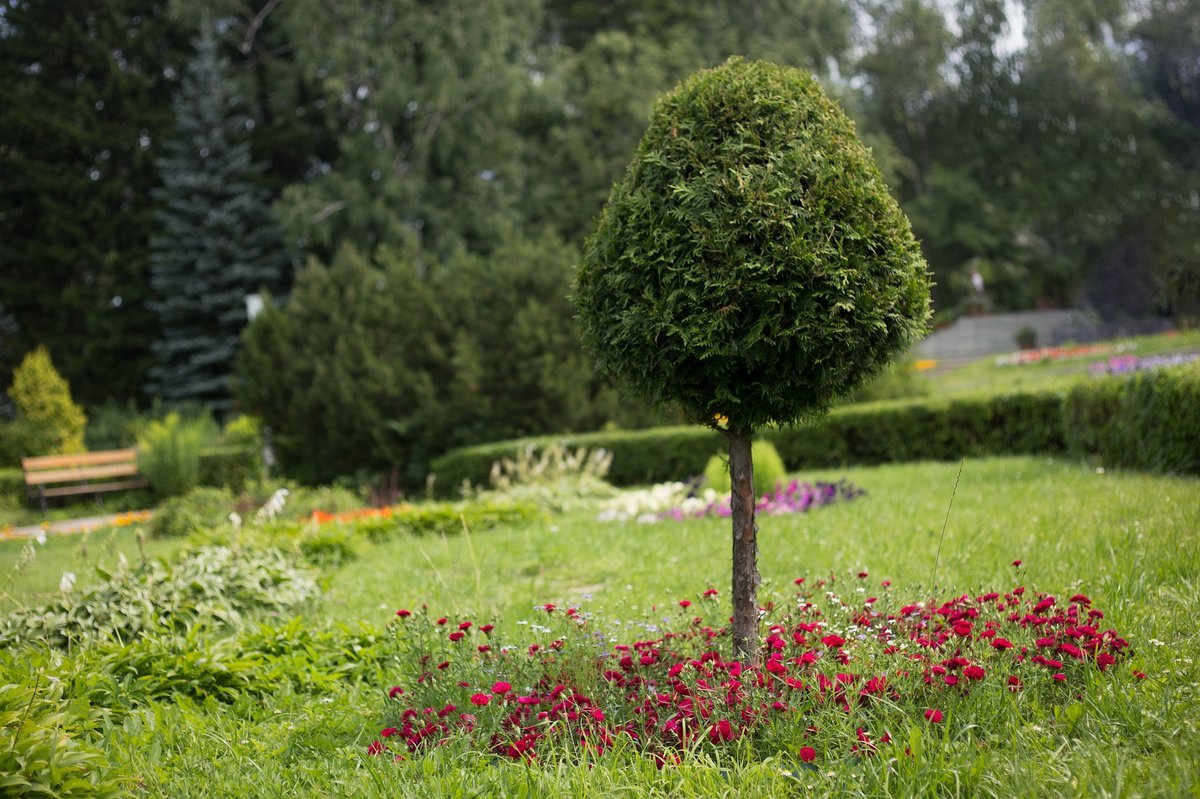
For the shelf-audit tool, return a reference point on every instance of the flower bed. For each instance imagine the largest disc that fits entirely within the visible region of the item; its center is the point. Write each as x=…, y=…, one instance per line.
x=840, y=673
x=1125, y=364
x=684, y=501
x=1041, y=354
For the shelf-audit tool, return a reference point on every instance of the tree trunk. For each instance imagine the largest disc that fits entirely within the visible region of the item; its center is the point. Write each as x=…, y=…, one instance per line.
x=745, y=549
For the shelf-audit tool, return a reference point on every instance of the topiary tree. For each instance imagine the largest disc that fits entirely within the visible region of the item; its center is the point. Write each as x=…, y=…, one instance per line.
x=749, y=268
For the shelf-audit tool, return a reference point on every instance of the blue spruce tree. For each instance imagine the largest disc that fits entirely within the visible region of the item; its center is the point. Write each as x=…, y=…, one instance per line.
x=217, y=242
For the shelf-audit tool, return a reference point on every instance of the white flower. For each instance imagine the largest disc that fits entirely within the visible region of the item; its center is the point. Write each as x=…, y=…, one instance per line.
x=40, y=536
x=235, y=520
x=67, y=582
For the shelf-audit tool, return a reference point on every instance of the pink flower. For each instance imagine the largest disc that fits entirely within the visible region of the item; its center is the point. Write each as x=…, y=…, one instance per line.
x=480, y=700
x=934, y=716
x=501, y=687
x=808, y=754
x=833, y=640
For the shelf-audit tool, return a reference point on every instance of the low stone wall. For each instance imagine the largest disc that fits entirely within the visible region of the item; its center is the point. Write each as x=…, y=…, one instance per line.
x=989, y=334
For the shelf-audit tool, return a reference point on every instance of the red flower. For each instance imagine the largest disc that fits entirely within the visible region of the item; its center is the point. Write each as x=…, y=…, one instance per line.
x=501, y=687
x=934, y=716
x=484, y=648
x=808, y=754
x=862, y=575
x=395, y=692
x=457, y=635
x=1001, y=643
x=1014, y=682
x=486, y=629
x=973, y=672
x=375, y=748
x=711, y=592
x=721, y=731
x=404, y=614
x=548, y=607
x=480, y=700
x=466, y=625
x=833, y=640
x=684, y=603
x=1060, y=677
x=1017, y=563
x=440, y=621
x=388, y=732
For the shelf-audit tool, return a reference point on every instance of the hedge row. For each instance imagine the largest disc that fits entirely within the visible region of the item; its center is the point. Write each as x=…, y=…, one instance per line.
x=1148, y=421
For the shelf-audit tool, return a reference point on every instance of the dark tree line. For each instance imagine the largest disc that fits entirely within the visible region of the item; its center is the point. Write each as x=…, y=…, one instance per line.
x=1057, y=153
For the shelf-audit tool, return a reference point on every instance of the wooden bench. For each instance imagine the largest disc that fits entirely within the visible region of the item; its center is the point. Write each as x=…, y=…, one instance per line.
x=84, y=473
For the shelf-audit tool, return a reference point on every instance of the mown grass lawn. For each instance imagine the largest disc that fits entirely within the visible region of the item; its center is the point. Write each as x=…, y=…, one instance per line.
x=1129, y=541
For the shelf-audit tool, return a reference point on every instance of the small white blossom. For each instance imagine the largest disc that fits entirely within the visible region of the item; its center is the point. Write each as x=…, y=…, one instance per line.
x=67, y=582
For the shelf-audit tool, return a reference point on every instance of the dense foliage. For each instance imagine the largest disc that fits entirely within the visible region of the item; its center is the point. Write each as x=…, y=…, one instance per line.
x=217, y=242
x=1055, y=151
x=390, y=361
x=751, y=265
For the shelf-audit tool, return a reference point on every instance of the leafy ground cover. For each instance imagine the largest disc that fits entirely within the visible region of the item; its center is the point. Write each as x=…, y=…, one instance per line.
x=299, y=706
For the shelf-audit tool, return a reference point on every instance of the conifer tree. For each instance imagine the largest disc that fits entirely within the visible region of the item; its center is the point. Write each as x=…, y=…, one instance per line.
x=85, y=93
x=217, y=242
x=48, y=420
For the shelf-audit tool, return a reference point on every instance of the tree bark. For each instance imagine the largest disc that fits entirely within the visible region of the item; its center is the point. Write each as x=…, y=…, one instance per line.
x=745, y=549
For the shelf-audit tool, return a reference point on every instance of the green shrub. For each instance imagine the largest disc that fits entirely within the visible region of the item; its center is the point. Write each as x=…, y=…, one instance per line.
x=1025, y=337
x=214, y=585
x=43, y=751
x=856, y=434
x=235, y=467
x=48, y=421
x=169, y=452
x=900, y=380
x=197, y=510
x=112, y=425
x=769, y=470
x=1150, y=420
x=303, y=500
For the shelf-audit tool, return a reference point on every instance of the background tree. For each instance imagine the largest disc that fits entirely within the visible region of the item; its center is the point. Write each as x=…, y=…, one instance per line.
x=750, y=267
x=85, y=91
x=218, y=242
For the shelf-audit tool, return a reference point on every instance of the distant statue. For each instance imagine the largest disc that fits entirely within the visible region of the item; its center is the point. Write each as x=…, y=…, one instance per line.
x=977, y=282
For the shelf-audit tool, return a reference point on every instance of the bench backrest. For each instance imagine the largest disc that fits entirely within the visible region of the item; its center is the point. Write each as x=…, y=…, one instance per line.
x=47, y=469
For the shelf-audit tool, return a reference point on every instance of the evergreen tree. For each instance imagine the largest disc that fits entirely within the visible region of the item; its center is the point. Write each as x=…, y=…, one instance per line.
x=85, y=92
x=217, y=242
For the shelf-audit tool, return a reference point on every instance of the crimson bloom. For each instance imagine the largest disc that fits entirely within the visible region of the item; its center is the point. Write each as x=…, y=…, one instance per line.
x=808, y=754
x=934, y=716
x=480, y=700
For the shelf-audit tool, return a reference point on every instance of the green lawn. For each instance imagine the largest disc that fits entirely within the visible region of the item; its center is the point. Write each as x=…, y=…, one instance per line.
x=1130, y=541
x=984, y=375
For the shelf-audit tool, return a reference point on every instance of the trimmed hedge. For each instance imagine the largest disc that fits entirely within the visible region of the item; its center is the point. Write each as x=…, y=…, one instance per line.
x=1150, y=420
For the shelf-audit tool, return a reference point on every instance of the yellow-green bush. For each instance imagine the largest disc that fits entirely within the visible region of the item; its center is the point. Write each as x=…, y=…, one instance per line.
x=48, y=421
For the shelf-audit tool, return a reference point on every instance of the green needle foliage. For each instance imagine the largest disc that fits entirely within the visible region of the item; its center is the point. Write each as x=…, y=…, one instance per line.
x=751, y=263
x=751, y=267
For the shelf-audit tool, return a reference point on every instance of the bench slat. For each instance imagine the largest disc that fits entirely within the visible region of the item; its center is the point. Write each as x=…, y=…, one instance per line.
x=92, y=488
x=79, y=459
x=91, y=473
